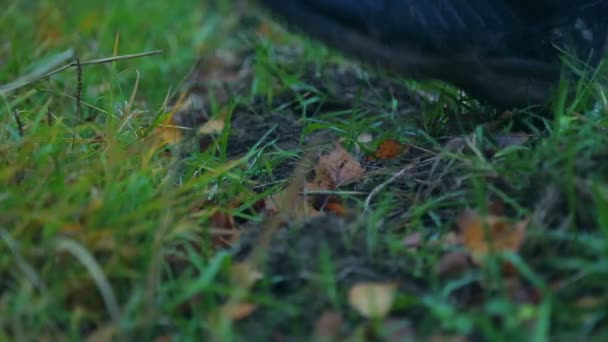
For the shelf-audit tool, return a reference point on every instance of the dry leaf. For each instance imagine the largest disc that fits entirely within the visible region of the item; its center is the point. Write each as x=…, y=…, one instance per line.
x=336, y=207
x=481, y=235
x=238, y=311
x=169, y=132
x=335, y=169
x=212, y=126
x=283, y=203
x=389, y=149
x=224, y=229
x=372, y=300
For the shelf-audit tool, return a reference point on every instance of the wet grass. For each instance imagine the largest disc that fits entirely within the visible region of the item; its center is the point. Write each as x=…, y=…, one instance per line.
x=107, y=228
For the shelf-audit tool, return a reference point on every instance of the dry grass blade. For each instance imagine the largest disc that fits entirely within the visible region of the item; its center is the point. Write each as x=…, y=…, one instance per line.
x=35, y=77
x=89, y=262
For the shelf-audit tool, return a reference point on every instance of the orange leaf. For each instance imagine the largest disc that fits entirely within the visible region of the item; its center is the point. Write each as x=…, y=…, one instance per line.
x=481, y=235
x=169, y=132
x=389, y=149
x=336, y=208
x=335, y=169
x=238, y=311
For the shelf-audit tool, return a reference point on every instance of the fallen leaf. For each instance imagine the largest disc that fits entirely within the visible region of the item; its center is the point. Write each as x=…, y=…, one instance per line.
x=224, y=229
x=213, y=126
x=238, y=311
x=482, y=235
x=372, y=300
x=335, y=169
x=296, y=209
x=389, y=149
x=222, y=220
x=336, y=207
x=168, y=131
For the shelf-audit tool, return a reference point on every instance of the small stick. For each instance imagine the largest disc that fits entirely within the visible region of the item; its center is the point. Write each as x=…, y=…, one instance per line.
x=6, y=88
x=19, y=123
x=78, y=90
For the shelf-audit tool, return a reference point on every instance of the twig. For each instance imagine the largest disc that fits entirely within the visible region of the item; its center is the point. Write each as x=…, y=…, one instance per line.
x=6, y=88
x=77, y=97
x=379, y=188
x=78, y=90
x=19, y=123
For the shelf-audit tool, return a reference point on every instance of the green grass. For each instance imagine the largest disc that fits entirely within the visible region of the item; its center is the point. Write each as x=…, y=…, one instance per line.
x=104, y=229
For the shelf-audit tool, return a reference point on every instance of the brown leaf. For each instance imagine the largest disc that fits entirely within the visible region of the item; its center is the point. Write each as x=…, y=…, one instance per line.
x=283, y=203
x=481, y=235
x=222, y=220
x=238, y=311
x=372, y=300
x=169, y=132
x=389, y=149
x=224, y=229
x=335, y=169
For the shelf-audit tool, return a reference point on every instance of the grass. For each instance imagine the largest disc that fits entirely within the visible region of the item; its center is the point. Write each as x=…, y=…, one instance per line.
x=106, y=227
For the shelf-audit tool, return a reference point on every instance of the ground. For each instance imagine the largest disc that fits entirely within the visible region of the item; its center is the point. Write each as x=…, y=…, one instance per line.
x=250, y=184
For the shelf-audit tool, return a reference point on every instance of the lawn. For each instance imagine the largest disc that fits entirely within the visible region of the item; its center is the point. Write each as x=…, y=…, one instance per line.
x=247, y=183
